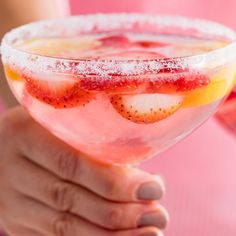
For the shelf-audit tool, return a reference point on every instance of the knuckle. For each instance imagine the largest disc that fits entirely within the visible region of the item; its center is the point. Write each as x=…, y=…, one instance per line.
x=14, y=122
x=8, y=148
x=113, y=217
x=114, y=187
x=62, y=195
x=67, y=165
x=111, y=190
x=63, y=225
x=6, y=128
x=13, y=128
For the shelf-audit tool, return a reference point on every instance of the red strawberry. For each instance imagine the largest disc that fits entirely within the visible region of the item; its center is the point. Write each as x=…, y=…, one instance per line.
x=178, y=82
x=151, y=83
x=114, y=41
x=149, y=44
x=122, y=40
x=59, y=94
x=116, y=84
x=191, y=81
x=146, y=108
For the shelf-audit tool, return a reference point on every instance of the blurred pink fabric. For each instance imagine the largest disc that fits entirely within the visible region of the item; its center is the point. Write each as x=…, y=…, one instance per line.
x=200, y=172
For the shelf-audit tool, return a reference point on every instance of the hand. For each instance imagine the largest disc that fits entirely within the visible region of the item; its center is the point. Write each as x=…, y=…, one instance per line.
x=50, y=189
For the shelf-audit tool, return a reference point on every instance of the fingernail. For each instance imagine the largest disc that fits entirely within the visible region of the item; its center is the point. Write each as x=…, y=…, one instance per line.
x=150, y=191
x=155, y=218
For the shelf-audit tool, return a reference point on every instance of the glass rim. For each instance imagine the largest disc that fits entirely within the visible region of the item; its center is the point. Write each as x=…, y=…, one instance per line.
x=119, y=66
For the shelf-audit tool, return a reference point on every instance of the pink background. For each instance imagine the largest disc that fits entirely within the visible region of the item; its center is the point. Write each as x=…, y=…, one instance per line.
x=200, y=171
x=218, y=10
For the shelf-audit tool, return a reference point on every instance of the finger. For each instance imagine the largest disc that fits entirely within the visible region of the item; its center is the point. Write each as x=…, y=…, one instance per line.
x=43, y=186
x=30, y=232
x=22, y=231
x=112, y=182
x=52, y=223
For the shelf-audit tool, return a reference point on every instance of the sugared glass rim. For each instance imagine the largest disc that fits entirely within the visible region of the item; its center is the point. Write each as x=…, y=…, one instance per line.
x=110, y=23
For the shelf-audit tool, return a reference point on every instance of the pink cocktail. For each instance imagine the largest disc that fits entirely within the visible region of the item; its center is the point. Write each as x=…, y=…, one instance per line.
x=120, y=88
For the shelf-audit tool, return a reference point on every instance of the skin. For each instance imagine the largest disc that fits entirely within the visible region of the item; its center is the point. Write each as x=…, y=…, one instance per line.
x=50, y=189
x=71, y=194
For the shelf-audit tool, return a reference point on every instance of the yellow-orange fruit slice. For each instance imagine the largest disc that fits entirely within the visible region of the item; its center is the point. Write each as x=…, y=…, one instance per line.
x=221, y=84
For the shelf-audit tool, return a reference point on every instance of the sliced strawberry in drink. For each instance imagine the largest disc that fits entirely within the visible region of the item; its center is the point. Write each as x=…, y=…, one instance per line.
x=59, y=94
x=120, y=84
x=114, y=41
x=178, y=82
x=116, y=84
x=191, y=81
x=150, y=44
x=122, y=40
x=146, y=108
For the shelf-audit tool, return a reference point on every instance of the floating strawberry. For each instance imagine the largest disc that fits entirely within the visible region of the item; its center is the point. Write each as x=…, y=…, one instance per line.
x=114, y=84
x=150, y=83
x=59, y=94
x=150, y=44
x=178, y=82
x=114, y=41
x=146, y=108
x=191, y=81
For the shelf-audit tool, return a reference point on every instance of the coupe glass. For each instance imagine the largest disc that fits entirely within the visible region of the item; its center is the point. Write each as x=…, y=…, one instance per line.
x=122, y=108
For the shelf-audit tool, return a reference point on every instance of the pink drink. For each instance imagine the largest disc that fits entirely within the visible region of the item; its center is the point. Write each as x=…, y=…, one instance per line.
x=121, y=95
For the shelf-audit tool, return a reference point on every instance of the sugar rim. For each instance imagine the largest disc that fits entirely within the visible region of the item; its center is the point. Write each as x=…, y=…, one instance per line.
x=87, y=23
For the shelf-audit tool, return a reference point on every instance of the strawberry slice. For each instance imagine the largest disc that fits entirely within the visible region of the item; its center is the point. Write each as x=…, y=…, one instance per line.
x=178, y=82
x=150, y=83
x=150, y=44
x=114, y=41
x=116, y=84
x=146, y=108
x=191, y=81
x=123, y=41
x=58, y=93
